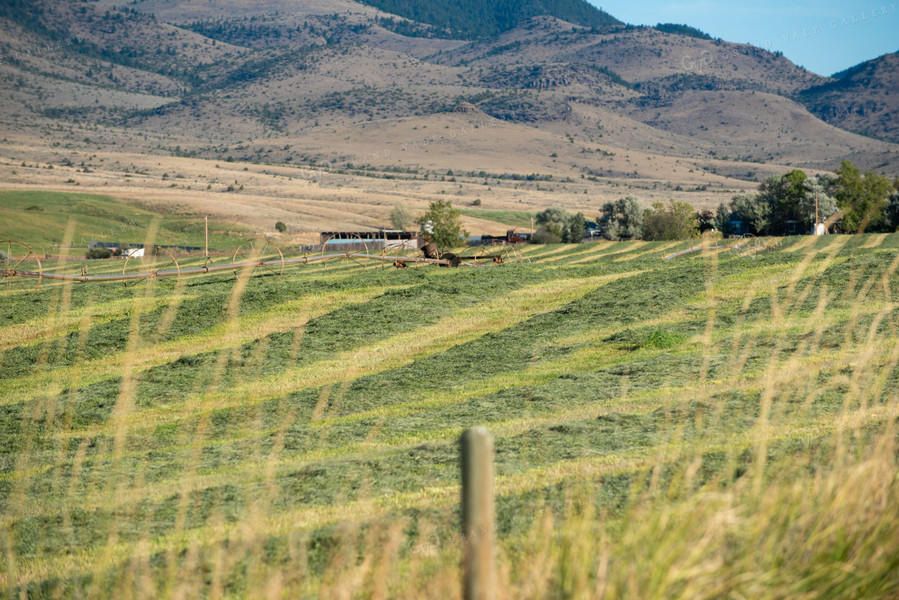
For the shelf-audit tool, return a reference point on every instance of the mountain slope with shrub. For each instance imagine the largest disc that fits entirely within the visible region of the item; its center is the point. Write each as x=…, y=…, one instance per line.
x=472, y=19
x=863, y=99
x=310, y=83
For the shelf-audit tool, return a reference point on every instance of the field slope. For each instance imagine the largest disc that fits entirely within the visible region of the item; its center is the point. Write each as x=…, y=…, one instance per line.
x=716, y=425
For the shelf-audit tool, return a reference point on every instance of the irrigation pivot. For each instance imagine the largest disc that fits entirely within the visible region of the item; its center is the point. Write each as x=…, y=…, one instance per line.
x=149, y=265
x=256, y=256
x=14, y=258
x=267, y=257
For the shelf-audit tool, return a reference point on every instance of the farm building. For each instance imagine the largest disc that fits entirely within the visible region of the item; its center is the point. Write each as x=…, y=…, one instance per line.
x=370, y=240
x=114, y=246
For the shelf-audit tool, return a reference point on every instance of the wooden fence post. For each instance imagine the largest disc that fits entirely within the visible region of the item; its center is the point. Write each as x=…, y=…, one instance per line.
x=477, y=515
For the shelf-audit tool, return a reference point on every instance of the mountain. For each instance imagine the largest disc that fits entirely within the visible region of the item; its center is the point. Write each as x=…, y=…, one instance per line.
x=539, y=111
x=472, y=19
x=863, y=99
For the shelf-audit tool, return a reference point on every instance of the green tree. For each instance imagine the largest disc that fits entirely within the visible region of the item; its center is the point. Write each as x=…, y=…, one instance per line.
x=623, y=219
x=722, y=216
x=781, y=199
x=707, y=219
x=816, y=191
x=442, y=223
x=281, y=226
x=401, y=217
x=552, y=225
x=575, y=229
x=861, y=198
x=892, y=211
x=784, y=195
x=554, y=214
x=676, y=221
x=755, y=211
x=557, y=224
x=544, y=236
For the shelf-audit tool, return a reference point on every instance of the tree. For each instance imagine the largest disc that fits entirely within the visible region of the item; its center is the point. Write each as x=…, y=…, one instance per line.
x=816, y=193
x=707, y=220
x=782, y=203
x=552, y=221
x=623, y=219
x=862, y=198
x=401, y=217
x=722, y=217
x=754, y=211
x=784, y=195
x=892, y=211
x=281, y=226
x=676, y=221
x=575, y=229
x=442, y=223
x=543, y=236
x=553, y=215
x=558, y=225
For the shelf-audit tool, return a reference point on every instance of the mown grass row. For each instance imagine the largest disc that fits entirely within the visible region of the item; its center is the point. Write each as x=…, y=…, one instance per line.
x=296, y=436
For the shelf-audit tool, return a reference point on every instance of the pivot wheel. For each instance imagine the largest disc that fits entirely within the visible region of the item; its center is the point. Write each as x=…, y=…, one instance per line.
x=20, y=267
x=154, y=263
x=258, y=255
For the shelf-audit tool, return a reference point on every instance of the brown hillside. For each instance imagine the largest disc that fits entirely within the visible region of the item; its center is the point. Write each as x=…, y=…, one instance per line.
x=865, y=99
x=554, y=114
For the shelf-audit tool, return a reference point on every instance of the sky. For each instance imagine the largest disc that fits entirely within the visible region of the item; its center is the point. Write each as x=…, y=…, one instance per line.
x=825, y=37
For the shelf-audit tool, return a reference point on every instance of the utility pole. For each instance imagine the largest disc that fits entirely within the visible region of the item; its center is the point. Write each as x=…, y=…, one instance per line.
x=207, y=237
x=816, y=212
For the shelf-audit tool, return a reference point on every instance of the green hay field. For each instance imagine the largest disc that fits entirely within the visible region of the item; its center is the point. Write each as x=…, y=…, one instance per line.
x=39, y=219
x=512, y=218
x=714, y=426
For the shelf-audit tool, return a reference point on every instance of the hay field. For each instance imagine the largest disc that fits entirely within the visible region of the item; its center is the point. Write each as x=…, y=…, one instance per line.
x=718, y=425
